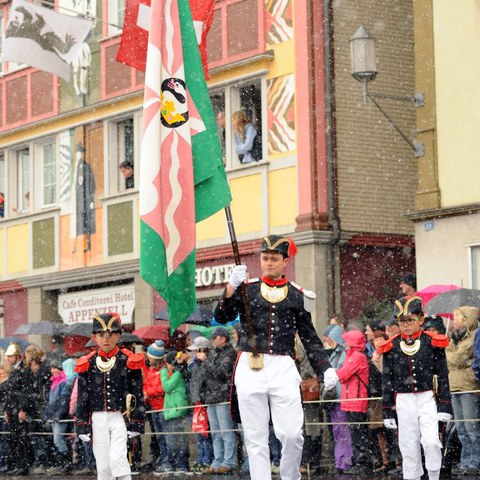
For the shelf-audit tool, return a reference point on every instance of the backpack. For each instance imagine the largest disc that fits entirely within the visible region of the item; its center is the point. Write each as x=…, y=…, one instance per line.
x=256, y=150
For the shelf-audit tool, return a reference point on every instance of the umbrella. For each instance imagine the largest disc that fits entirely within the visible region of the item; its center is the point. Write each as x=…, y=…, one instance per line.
x=45, y=327
x=6, y=341
x=153, y=332
x=446, y=303
x=427, y=293
x=201, y=316
x=80, y=329
x=126, y=338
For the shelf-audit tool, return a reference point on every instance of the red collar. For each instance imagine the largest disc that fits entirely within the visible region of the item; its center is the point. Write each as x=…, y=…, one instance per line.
x=413, y=336
x=275, y=283
x=110, y=354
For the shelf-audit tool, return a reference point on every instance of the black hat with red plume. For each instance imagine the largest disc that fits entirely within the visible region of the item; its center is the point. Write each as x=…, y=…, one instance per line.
x=283, y=245
x=107, y=322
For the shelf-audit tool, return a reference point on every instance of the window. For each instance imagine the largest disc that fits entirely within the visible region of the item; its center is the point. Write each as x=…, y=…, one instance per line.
x=49, y=174
x=241, y=100
x=116, y=15
x=123, y=143
x=23, y=181
x=475, y=266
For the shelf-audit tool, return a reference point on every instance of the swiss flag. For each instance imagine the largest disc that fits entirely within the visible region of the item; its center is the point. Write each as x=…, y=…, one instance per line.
x=134, y=41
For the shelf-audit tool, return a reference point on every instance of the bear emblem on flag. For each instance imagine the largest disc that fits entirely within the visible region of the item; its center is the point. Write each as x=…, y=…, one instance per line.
x=174, y=103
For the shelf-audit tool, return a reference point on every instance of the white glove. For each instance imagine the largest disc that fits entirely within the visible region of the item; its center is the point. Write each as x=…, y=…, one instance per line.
x=330, y=378
x=443, y=417
x=84, y=438
x=238, y=276
x=390, y=423
x=132, y=434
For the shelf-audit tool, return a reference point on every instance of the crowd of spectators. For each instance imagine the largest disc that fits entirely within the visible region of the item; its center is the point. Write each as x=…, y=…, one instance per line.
x=187, y=394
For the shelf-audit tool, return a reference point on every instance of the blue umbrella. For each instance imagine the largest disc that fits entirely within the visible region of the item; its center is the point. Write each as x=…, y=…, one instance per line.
x=6, y=341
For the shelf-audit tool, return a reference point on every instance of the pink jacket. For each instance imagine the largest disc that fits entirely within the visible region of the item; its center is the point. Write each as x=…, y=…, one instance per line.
x=354, y=366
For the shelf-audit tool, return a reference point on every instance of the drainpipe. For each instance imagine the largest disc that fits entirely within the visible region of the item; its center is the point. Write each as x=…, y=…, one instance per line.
x=333, y=251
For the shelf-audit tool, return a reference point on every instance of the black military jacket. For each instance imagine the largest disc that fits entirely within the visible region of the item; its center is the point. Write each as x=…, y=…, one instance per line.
x=100, y=391
x=275, y=323
x=415, y=373
x=18, y=395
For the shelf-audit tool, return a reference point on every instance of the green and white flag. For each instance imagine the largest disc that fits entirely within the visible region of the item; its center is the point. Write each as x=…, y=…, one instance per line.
x=182, y=178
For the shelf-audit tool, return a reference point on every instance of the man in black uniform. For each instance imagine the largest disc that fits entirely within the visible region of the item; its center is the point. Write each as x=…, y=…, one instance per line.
x=269, y=385
x=414, y=373
x=19, y=410
x=110, y=393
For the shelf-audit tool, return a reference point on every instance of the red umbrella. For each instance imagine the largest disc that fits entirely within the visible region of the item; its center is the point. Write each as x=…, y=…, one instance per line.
x=153, y=332
x=427, y=293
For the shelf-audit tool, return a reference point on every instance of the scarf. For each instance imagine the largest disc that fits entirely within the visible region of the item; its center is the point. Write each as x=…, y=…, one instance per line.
x=457, y=335
x=57, y=380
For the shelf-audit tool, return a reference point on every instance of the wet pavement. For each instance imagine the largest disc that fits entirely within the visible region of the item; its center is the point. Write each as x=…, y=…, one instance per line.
x=150, y=476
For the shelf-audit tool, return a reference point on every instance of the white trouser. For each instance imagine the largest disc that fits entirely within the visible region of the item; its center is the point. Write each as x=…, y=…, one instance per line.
x=418, y=424
x=277, y=385
x=109, y=436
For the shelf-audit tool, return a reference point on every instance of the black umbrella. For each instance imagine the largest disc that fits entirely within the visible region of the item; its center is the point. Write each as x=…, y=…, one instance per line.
x=446, y=303
x=126, y=338
x=80, y=329
x=45, y=327
x=201, y=316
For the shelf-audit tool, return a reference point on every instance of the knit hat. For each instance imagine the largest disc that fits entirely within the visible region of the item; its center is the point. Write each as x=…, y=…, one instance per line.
x=156, y=350
x=220, y=332
x=56, y=362
x=436, y=323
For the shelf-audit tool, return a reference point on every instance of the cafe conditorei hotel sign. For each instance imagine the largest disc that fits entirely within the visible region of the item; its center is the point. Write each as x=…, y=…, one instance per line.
x=81, y=306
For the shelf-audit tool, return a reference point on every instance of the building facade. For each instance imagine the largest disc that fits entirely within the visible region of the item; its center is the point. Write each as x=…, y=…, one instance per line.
x=447, y=202
x=332, y=174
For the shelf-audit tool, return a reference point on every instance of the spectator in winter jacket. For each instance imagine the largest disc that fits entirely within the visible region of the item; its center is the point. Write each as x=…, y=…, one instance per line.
x=200, y=347
x=40, y=390
x=175, y=413
x=219, y=365
x=466, y=406
x=335, y=345
x=154, y=399
x=57, y=410
x=353, y=375
x=19, y=410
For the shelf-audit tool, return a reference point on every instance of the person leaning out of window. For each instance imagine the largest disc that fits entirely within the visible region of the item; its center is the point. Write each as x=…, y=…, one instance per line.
x=244, y=133
x=126, y=169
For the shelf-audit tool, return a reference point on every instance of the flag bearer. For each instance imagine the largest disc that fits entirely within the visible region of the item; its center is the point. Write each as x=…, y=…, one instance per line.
x=110, y=405
x=271, y=384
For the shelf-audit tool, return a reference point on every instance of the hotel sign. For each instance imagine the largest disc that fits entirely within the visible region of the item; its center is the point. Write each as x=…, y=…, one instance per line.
x=81, y=306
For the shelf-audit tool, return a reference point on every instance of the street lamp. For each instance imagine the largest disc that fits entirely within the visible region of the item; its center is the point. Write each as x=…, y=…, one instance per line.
x=364, y=70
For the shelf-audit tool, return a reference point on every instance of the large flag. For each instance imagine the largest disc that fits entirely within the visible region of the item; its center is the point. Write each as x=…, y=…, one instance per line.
x=182, y=178
x=43, y=38
x=134, y=41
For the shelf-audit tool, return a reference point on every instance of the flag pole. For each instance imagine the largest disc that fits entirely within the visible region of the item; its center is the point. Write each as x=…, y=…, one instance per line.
x=243, y=289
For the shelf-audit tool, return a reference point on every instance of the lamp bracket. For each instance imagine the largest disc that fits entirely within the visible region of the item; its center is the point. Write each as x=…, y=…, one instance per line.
x=418, y=99
x=416, y=146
